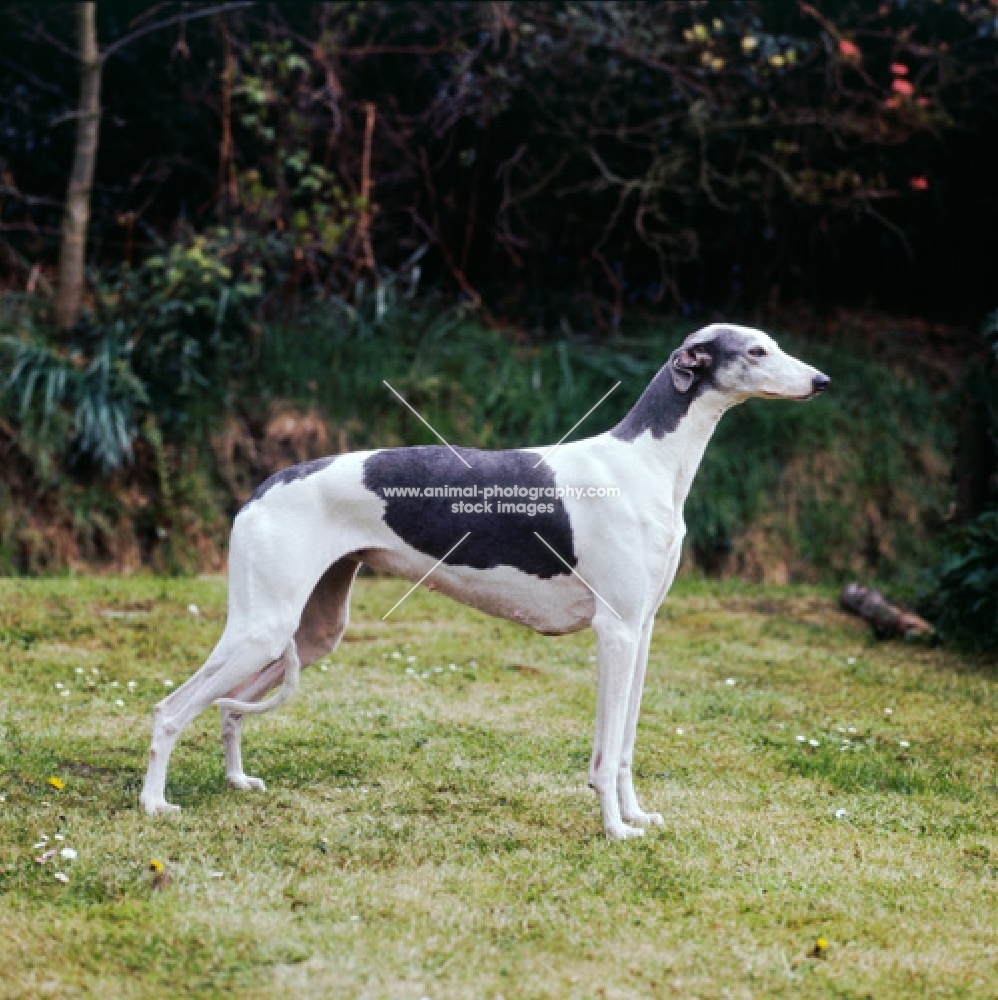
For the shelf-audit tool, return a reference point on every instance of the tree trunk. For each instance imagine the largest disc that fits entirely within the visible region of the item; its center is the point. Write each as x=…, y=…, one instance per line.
x=72, y=254
x=228, y=189
x=364, y=222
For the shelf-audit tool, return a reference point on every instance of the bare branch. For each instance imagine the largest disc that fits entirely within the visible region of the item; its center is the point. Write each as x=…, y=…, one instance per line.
x=147, y=29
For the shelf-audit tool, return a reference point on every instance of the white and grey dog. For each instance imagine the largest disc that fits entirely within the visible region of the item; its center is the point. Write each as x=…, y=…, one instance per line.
x=297, y=545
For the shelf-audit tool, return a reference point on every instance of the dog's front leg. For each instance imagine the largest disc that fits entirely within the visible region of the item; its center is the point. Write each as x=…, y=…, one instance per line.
x=630, y=808
x=617, y=645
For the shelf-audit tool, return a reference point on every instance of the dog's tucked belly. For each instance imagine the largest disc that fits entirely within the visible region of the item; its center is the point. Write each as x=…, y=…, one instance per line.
x=552, y=607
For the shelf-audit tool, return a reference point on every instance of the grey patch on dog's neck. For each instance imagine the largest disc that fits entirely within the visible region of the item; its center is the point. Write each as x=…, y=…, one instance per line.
x=661, y=407
x=290, y=475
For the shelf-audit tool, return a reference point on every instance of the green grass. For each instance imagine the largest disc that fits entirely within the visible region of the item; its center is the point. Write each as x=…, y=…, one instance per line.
x=434, y=836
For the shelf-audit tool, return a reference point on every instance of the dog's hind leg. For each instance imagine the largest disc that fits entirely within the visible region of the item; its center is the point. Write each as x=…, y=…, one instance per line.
x=323, y=623
x=232, y=721
x=232, y=661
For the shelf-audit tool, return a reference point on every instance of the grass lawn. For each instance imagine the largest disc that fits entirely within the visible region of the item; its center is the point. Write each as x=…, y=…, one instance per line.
x=428, y=832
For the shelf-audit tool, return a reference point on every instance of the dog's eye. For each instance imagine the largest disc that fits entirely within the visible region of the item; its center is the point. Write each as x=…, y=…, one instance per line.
x=757, y=352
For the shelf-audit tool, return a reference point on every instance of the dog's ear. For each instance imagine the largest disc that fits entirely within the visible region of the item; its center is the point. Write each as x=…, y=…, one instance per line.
x=687, y=364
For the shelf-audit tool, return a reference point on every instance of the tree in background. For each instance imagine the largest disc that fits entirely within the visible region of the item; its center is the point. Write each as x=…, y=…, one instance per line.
x=72, y=253
x=76, y=216
x=626, y=155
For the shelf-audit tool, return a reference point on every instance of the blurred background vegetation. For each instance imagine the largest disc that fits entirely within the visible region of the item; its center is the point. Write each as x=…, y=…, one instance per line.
x=223, y=224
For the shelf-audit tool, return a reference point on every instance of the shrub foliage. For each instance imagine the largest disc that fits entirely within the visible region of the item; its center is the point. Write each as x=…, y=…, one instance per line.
x=631, y=153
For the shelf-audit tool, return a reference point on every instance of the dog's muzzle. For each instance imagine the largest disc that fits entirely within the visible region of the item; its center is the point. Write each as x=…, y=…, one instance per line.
x=819, y=384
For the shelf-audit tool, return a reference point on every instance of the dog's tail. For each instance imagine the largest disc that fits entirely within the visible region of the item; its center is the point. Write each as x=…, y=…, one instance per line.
x=292, y=671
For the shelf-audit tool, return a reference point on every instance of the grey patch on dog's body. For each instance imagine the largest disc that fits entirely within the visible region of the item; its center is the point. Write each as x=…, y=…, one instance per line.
x=662, y=406
x=290, y=475
x=430, y=526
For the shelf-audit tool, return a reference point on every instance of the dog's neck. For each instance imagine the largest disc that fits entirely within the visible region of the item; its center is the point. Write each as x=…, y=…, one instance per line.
x=671, y=430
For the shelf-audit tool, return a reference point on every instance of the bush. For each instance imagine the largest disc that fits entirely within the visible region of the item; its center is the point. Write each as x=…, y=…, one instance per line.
x=964, y=600
x=78, y=399
x=963, y=596
x=167, y=339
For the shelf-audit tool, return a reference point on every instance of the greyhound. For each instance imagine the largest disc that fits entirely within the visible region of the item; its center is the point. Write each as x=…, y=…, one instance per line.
x=559, y=565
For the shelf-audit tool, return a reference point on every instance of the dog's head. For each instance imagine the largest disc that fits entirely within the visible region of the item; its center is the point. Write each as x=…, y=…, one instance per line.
x=741, y=362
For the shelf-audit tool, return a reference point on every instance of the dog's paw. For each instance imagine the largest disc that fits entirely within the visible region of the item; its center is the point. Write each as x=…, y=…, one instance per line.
x=157, y=807
x=621, y=831
x=244, y=783
x=644, y=819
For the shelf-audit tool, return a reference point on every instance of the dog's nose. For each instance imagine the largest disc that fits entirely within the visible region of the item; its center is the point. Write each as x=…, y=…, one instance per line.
x=820, y=383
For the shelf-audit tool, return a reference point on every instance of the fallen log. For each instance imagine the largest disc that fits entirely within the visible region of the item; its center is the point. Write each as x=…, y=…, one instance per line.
x=888, y=620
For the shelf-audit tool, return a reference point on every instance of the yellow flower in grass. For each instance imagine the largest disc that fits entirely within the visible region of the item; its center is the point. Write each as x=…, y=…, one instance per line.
x=57, y=782
x=161, y=878
x=820, y=949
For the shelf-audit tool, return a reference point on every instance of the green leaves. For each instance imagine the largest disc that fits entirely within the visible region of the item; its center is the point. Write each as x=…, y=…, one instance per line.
x=990, y=330
x=296, y=206
x=964, y=602
x=76, y=401
x=108, y=398
x=168, y=338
